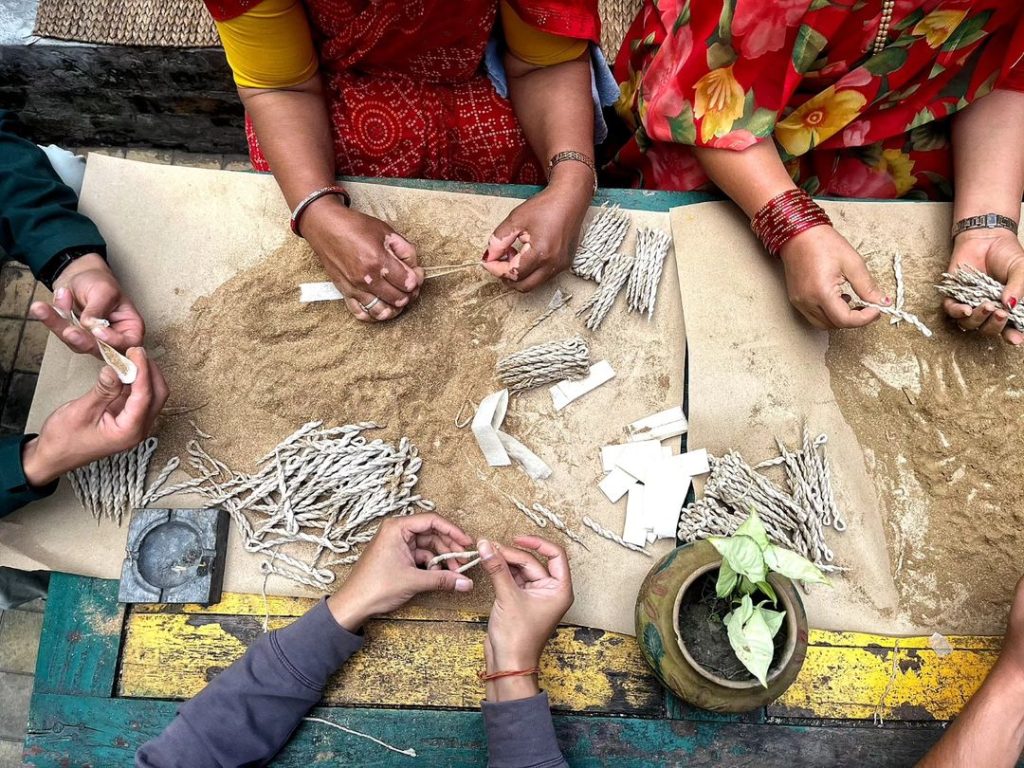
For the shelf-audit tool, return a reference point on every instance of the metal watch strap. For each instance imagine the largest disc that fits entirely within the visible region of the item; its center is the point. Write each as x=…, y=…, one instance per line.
x=984, y=221
x=573, y=155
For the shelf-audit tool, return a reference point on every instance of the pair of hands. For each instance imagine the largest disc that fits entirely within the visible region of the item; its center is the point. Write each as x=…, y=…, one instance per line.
x=378, y=271
x=111, y=417
x=819, y=261
x=529, y=597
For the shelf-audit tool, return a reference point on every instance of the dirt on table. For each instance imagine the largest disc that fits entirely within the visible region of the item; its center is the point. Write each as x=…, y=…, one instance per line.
x=940, y=423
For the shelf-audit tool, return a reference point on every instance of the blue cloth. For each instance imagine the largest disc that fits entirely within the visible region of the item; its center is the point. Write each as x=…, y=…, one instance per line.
x=15, y=492
x=248, y=712
x=603, y=87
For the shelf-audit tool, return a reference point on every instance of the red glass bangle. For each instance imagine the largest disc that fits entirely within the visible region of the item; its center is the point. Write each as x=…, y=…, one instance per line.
x=784, y=217
x=313, y=197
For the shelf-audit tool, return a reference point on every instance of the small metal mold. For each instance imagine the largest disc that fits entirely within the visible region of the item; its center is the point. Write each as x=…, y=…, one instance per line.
x=174, y=556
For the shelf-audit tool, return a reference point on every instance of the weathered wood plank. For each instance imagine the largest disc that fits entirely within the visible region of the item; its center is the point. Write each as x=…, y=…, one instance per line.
x=403, y=663
x=79, y=731
x=81, y=636
x=852, y=676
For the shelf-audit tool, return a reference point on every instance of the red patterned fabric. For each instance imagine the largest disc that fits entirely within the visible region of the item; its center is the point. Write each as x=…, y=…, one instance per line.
x=407, y=94
x=729, y=73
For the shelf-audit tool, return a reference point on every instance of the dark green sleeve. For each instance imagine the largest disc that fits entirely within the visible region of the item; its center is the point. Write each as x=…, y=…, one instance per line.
x=38, y=212
x=15, y=492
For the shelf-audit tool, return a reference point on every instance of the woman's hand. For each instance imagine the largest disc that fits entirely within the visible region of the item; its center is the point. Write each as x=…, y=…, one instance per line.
x=818, y=262
x=393, y=568
x=88, y=287
x=998, y=253
x=110, y=418
x=372, y=265
x=529, y=601
x=549, y=223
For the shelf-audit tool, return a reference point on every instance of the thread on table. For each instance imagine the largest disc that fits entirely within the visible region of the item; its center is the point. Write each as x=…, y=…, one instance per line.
x=901, y=289
x=545, y=364
x=558, y=301
x=969, y=286
x=601, y=300
x=896, y=312
x=600, y=530
x=600, y=243
x=410, y=752
x=113, y=486
x=795, y=517
x=312, y=500
x=642, y=289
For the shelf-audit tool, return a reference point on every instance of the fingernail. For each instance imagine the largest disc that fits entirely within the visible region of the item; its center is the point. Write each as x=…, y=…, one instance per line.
x=402, y=301
x=410, y=283
x=888, y=301
x=36, y=311
x=142, y=351
x=60, y=293
x=485, y=548
x=463, y=584
x=367, y=279
x=1011, y=302
x=101, y=332
x=1001, y=314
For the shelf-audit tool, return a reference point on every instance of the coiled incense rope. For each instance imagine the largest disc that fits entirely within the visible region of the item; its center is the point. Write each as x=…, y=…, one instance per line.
x=313, y=499
x=545, y=364
x=969, y=286
x=112, y=487
x=600, y=242
x=651, y=248
x=600, y=301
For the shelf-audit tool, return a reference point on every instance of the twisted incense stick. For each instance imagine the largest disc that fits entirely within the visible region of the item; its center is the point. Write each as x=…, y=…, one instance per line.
x=969, y=286
x=545, y=364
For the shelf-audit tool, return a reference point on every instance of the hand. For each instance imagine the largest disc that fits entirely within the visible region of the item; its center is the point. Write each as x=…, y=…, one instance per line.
x=365, y=258
x=393, y=568
x=818, y=262
x=529, y=601
x=996, y=252
x=1012, y=656
x=548, y=225
x=89, y=287
x=110, y=418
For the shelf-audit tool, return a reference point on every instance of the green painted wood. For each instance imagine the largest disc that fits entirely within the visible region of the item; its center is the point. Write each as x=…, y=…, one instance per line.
x=81, y=637
x=82, y=731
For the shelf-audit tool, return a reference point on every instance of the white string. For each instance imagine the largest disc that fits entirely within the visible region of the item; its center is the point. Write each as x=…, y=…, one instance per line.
x=410, y=752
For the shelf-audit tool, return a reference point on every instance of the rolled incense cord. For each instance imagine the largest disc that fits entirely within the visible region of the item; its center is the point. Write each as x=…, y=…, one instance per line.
x=545, y=364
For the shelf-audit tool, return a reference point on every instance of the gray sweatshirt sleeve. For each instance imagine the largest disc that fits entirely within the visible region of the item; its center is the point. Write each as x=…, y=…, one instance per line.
x=247, y=713
x=521, y=734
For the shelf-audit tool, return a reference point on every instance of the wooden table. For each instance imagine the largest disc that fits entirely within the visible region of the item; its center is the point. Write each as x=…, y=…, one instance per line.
x=108, y=678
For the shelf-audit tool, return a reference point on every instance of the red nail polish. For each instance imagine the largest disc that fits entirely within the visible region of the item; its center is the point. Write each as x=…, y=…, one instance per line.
x=1011, y=302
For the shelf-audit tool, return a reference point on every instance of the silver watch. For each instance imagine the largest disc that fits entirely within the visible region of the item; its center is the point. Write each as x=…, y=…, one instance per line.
x=984, y=221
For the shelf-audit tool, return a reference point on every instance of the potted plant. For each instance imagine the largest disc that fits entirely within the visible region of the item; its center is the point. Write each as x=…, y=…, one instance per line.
x=721, y=622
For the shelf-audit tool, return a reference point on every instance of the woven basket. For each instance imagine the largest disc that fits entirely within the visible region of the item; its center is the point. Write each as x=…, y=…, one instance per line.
x=166, y=23
x=616, y=18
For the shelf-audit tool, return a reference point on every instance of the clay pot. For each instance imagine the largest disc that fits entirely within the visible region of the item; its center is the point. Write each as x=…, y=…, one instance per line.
x=657, y=621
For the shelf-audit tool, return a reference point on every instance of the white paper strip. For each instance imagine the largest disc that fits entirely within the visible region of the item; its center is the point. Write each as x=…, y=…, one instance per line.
x=695, y=463
x=639, y=463
x=663, y=432
x=310, y=292
x=531, y=463
x=616, y=484
x=659, y=419
x=485, y=425
x=564, y=392
x=635, y=531
x=664, y=495
x=611, y=454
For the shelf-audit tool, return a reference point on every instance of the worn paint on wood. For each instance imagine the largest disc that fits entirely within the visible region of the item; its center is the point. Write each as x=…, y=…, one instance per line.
x=81, y=731
x=403, y=663
x=848, y=675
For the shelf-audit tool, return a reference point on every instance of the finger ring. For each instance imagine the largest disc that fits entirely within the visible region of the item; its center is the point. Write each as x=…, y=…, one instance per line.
x=371, y=305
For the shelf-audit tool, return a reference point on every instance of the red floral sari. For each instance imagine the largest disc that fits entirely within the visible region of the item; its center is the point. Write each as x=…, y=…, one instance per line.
x=847, y=122
x=407, y=93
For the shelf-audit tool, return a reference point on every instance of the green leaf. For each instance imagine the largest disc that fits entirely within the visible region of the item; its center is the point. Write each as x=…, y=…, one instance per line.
x=754, y=528
x=744, y=610
x=818, y=5
x=889, y=60
x=684, y=131
x=761, y=122
x=793, y=566
x=937, y=69
x=768, y=591
x=747, y=587
x=923, y=117
x=727, y=579
x=773, y=619
x=720, y=55
x=752, y=642
x=971, y=30
x=808, y=45
x=910, y=19
x=743, y=554
x=725, y=20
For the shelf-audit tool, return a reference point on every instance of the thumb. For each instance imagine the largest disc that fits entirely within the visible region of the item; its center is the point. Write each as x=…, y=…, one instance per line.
x=107, y=389
x=497, y=569
x=100, y=301
x=443, y=580
x=856, y=271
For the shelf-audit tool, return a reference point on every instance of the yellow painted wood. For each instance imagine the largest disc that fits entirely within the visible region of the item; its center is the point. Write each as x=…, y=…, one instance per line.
x=850, y=675
x=403, y=663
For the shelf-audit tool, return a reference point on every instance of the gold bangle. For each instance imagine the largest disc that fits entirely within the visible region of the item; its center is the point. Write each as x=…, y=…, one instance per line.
x=579, y=157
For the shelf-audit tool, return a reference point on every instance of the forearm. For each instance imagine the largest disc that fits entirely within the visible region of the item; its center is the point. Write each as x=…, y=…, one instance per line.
x=521, y=734
x=989, y=731
x=295, y=135
x=17, y=487
x=247, y=713
x=750, y=177
x=555, y=110
x=988, y=156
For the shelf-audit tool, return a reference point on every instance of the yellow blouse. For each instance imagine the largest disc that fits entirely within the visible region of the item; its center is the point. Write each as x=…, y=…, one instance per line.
x=271, y=46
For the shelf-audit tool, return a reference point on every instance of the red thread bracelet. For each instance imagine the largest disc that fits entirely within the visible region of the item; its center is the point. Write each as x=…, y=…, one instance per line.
x=784, y=217
x=311, y=198
x=508, y=673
